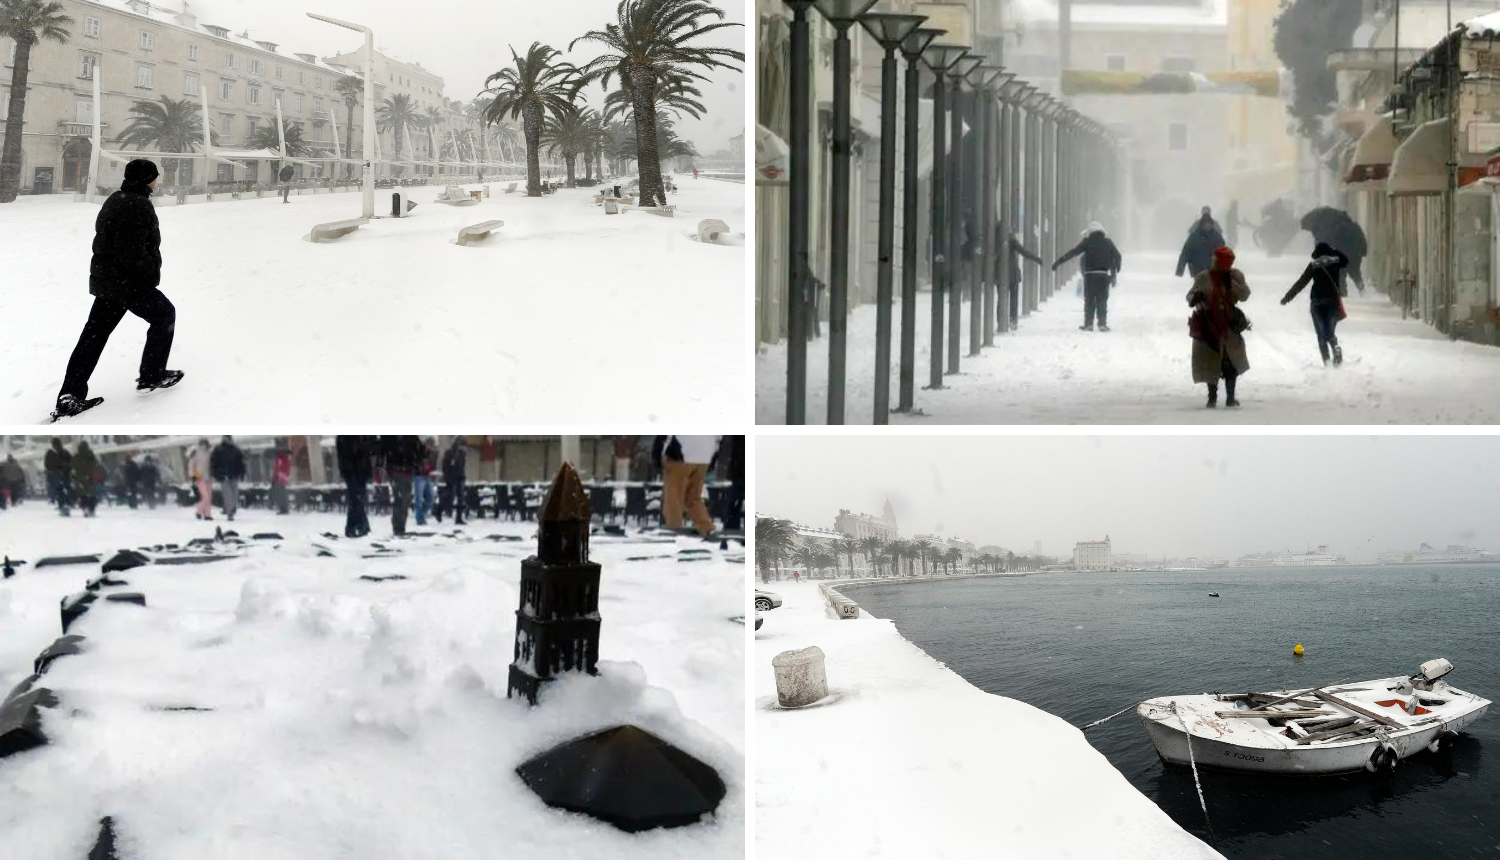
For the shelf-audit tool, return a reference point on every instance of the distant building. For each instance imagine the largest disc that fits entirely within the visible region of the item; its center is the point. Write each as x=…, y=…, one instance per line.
x=944, y=544
x=737, y=146
x=1093, y=555
x=860, y=526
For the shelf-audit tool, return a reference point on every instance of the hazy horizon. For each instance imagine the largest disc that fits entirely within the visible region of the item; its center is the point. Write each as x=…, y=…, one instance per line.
x=1208, y=496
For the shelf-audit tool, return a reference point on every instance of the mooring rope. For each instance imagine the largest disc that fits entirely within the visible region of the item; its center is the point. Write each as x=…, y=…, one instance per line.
x=1194, y=764
x=1108, y=718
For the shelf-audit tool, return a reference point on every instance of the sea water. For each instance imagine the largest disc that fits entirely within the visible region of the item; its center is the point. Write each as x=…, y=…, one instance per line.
x=1084, y=645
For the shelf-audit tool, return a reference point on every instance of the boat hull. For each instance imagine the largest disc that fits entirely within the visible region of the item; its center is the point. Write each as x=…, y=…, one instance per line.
x=1171, y=741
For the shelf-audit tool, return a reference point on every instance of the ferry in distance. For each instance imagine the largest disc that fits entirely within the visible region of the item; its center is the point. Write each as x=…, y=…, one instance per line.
x=1320, y=557
x=1454, y=554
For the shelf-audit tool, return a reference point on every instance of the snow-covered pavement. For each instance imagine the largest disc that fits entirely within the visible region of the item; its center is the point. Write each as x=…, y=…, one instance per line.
x=913, y=761
x=1398, y=371
x=350, y=719
x=565, y=314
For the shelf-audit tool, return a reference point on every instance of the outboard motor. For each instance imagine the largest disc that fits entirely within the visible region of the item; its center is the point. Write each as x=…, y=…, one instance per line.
x=1430, y=672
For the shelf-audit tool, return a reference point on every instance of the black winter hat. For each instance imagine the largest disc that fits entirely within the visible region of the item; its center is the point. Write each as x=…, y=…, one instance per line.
x=142, y=171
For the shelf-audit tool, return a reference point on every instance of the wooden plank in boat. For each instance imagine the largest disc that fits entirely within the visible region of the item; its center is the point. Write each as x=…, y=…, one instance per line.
x=1329, y=734
x=1379, y=718
x=1274, y=715
x=1313, y=691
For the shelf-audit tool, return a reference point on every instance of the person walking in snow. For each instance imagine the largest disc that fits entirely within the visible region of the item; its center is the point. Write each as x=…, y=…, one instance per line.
x=124, y=276
x=1101, y=264
x=1324, y=274
x=356, y=465
x=1217, y=325
x=685, y=462
x=227, y=465
x=58, y=465
x=455, y=473
x=150, y=477
x=403, y=456
x=87, y=476
x=421, y=487
x=15, y=479
x=1337, y=229
x=281, y=476
x=1017, y=250
x=1203, y=240
x=130, y=478
x=199, y=472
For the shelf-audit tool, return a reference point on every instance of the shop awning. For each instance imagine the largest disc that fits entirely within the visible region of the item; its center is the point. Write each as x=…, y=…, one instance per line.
x=1373, y=154
x=1420, y=168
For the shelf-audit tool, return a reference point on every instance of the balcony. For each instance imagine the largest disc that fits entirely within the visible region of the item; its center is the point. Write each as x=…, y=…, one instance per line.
x=83, y=128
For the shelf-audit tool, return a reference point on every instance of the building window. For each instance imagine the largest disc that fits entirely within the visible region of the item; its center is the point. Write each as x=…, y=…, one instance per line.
x=317, y=105
x=250, y=128
x=148, y=40
x=1115, y=62
x=84, y=112
x=299, y=103
x=1177, y=137
x=86, y=66
x=252, y=95
x=226, y=124
x=317, y=82
x=193, y=53
x=1177, y=64
x=257, y=67
x=278, y=73
x=91, y=27
x=231, y=61
x=226, y=91
x=12, y=60
x=190, y=84
x=301, y=78
x=143, y=77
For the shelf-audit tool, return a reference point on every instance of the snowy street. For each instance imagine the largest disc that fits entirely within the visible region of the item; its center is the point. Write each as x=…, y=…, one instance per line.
x=345, y=718
x=1397, y=371
x=910, y=760
x=564, y=314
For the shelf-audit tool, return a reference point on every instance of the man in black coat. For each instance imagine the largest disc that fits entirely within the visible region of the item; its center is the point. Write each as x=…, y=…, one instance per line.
x=356, y=465
x=58, y=464
x=455, y=472
x=227, y=465
x=1101, y=263
x=1198, y=251
x=123, y=277
x=403, y=456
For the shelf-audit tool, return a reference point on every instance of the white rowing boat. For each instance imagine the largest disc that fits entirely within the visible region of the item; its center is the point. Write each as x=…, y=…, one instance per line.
x=1333, y=729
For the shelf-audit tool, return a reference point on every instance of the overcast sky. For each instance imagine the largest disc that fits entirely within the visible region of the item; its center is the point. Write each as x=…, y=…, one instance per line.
x=1177, y=495
x=465, y=41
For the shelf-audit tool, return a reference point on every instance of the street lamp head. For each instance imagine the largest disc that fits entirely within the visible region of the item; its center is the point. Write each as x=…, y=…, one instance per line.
x=992, y=76
x=843, y=13
x=917, y=41
x=964, y=66
x=940, y=57
x=889, y=29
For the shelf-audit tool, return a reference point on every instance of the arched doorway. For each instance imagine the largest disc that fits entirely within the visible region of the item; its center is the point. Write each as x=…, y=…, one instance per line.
x=76, y=164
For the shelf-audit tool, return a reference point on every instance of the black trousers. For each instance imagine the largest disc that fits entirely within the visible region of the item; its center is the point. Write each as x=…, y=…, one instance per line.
x=357, y=523
x=1096, y=298
x=151, y=306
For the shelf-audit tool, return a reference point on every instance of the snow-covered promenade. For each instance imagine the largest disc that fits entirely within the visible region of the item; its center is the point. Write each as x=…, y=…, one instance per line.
x=912, y=761
x=1398, y=371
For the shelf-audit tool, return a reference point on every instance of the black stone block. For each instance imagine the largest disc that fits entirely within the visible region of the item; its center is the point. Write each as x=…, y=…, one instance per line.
x=104, y=580
x=125, y=559
x=618, y=531
x=59, y=560
x=74, y=605
x=627, y=777
x=8, y=568
x=134, y=598
x=20, y=689
x=21, y=721
x=266, y=536
x=171, y=560
x=63, y=647
x=330, y=535
x=201, y=542
x=377, y=578
x=104, y=844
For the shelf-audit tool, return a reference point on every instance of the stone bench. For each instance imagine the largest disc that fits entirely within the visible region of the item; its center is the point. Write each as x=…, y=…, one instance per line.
x=511, y=188
x=663, y=211
x=476, y=232
x=455, y=195
x=710, y=228
x=334, y=229
x=607, y=198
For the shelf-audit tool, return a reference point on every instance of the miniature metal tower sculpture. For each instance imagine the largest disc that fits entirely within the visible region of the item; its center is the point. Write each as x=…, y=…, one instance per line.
x=557, y=624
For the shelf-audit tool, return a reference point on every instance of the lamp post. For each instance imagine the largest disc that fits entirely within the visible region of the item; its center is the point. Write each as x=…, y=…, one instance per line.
x=958, y=219
x=912, y=47
x=890, y=31
x=939, y=58
x=842, y=14
x=368, y=139
x=799, y=182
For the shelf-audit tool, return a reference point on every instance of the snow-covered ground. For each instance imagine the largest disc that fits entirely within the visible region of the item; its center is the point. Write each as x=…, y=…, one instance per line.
x=562, y=315
x=1397, y=371
x=910, y=760
x=350, y=719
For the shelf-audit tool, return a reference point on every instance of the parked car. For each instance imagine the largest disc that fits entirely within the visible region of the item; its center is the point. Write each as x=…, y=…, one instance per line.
x=765, y=601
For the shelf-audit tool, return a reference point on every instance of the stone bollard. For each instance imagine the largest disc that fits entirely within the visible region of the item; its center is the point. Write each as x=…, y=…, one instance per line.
x=800, y=677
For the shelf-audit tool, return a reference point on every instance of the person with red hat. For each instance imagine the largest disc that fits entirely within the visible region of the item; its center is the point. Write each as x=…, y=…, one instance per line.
x=1217, y=327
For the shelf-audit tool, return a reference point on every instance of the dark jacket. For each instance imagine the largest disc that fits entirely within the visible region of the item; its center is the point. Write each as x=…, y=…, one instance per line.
x=1017, y=251
x=127, y=244
x=57, y=461
x=454, y=461
x=1099, y=254
x=85, y=471
x=355, y=455
x=1198, y=251
x=227, y=462
x=1323, y=274
x=403, y=454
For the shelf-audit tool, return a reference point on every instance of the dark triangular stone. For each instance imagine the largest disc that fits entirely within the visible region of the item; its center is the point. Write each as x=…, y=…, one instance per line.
x=104, y=845
x=126, y=559
x=627, y=777
x=61, y=648
x=21, y=720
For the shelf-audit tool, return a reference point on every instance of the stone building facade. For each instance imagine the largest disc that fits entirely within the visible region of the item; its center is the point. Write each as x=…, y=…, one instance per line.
x=1093, y=555
x=860, y=526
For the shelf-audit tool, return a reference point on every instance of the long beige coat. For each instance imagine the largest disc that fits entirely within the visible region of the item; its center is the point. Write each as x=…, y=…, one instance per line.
x=1207, y=361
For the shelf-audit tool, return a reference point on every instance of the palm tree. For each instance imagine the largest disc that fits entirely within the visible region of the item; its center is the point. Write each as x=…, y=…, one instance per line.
x=806, y=556
x=27, y=22
x=827, y=559
x=773, y=539
x=870, y=546
x=954, y=557
x=265, y=137
x=351, y=89
x=396, y=113
x=569, y=134
x=924, y=548
x=847, y=546
x=649, y=44
x=531, y=90
x=167, y=125
x=896, y=550
x=1010, y=560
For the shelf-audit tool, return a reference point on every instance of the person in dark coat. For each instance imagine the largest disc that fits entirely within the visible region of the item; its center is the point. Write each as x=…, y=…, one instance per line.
x=227, y=466
x=1324, y=273
x=455, y=472
x=403, y=456
x=1101, y=263
x=1218, y=348
x=150, y=477
x=1203, y=240
x=357, y=466
x=86, y=478
x=1018, y=250
x=130, y=479
x=15, y=479
x=123, y=277
x=1346, y=236
x=58, y=465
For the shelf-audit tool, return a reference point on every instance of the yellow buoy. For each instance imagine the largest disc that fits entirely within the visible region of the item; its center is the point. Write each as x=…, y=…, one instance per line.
x=1298, y=649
